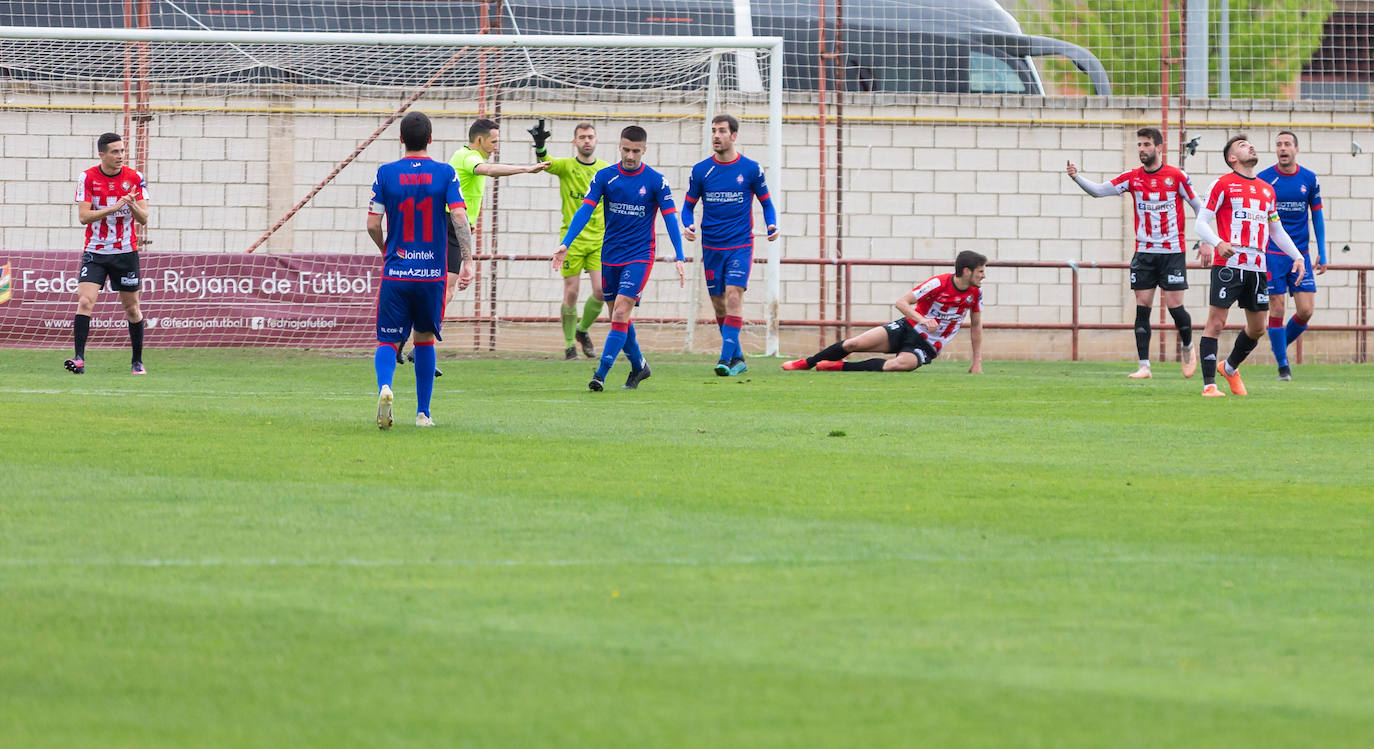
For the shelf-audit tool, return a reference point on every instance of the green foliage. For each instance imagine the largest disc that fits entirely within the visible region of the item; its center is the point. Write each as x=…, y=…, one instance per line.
x=227, y=553
x=1270, y=42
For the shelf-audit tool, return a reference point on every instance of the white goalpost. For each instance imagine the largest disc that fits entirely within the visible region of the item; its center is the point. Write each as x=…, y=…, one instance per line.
x=195, y=100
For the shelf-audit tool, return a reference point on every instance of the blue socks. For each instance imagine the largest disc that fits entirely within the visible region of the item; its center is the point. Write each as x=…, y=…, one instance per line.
x=632, y=349
x=384, y=361
x=615, y=341
x=729, y=338
x=425, y=359
x=1278, y=341
x=1294, y=328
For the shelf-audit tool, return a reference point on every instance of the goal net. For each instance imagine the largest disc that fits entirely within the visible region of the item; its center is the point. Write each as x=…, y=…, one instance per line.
x=259, y=148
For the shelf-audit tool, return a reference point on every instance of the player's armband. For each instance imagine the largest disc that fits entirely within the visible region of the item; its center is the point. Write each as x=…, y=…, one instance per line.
x=375, y=207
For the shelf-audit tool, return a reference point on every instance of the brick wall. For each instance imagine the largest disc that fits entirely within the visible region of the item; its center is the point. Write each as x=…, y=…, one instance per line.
x=922, y=180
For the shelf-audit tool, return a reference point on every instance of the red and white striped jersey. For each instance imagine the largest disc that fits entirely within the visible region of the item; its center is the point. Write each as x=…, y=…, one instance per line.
x=1159, y=199
x=1244, y=207
x=940, y=299
x=117, y=232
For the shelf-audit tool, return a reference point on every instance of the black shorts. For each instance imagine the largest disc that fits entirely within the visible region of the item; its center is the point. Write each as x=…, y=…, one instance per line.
x=903, y=336
x=120, y=269
x=1167, y=270
x=455, y=255
x=1249, y=288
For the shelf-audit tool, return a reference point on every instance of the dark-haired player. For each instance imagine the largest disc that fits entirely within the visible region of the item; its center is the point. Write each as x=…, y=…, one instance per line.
x=931, y=314
x=1296, y=191
x=1246, y=216
x=419, y=197
x=112, y=201
x=726, y=184
x=634, y=194
x=1159, y=190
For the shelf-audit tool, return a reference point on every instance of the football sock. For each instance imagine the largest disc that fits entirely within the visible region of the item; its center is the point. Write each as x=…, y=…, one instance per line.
x=615, y=341
x=385, y=363
x=1184, y=322
x=136, y=339
x=1244, y=345
x=833, y=352
x=1142, y=333
x=729, y=337
x=1207, y=347
x=425, y=359
x=1296, y=325
x=631, y=349
x=867, y=365
x=590, y=311
x=1278, y=340
x=568, y=315
x=81, y=329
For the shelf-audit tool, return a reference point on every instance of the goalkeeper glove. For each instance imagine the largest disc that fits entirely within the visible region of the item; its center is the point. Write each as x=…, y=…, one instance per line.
x=540, y=135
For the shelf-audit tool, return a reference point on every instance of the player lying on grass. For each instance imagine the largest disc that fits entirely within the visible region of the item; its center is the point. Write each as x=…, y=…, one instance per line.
x=931, y=315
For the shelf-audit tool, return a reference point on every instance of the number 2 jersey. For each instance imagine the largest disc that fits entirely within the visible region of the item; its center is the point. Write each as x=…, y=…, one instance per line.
x=1243, y=207
x=413, y=193
x=940, y=299
x=117, y=232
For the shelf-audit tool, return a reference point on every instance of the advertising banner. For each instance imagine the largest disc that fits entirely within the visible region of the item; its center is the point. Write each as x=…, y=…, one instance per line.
x=198, y=299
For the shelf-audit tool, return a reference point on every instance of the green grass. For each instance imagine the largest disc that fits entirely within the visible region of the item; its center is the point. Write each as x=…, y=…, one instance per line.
x=228, y=553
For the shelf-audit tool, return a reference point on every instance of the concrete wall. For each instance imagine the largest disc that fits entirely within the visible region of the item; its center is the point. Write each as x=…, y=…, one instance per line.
x=923, y=178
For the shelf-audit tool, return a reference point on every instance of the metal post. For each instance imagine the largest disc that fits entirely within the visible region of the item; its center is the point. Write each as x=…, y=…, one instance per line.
x=774, y=294
x=1224, y=49
x=1196, y=68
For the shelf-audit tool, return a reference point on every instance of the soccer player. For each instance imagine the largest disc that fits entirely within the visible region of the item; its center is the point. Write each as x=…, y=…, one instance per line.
x=633, y=194
x=931, y=315
x=111, y=202
x=1159, y=190
x=412, y=193
x=574, y=175
x=470, y=161
x=1247, y=218
x=726, y=184
x=1297, y=192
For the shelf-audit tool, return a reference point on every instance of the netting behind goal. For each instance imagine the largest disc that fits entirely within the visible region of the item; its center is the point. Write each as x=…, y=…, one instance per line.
x=270, y=144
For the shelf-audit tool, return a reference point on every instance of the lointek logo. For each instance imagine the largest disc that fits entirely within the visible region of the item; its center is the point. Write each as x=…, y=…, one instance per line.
x=405, y=254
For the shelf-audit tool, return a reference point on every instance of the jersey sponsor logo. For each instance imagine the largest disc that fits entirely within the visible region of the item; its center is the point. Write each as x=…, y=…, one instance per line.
x=1292, y=205
x=627, y=209
x=1171, y=278
x=405, y=254
x=724, y=196
x=1153, y=205
x=129, y=279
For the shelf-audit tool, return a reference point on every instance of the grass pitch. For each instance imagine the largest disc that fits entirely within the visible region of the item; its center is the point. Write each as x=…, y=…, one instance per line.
x=227, y=552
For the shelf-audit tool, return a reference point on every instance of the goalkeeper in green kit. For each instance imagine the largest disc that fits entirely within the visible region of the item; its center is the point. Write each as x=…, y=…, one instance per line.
x=574, y=177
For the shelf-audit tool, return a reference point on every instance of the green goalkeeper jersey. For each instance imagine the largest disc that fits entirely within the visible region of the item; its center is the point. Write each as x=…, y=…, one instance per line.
x=574, y=178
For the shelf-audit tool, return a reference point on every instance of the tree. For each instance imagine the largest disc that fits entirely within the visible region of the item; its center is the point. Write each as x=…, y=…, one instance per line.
x=1271, y=40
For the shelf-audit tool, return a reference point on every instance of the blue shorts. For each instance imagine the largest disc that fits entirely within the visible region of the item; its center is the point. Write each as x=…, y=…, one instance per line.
x=727, y=268
x=403, y=305
x=1282, y=274
x=624, y=280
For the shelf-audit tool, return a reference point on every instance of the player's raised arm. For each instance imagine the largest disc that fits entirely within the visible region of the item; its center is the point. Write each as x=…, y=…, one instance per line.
x=1095, y=189
x=540, y=135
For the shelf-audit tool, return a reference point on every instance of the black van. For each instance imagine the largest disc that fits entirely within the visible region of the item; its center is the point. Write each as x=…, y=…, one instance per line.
x=900, y=46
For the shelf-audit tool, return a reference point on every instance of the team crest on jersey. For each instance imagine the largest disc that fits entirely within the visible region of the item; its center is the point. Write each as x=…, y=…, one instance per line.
x=125, y=184
x=1252, y=189
x=643, y=191
x=1168, y=181
x=740, y=179
x=1303, y=189
x=1154, y=183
